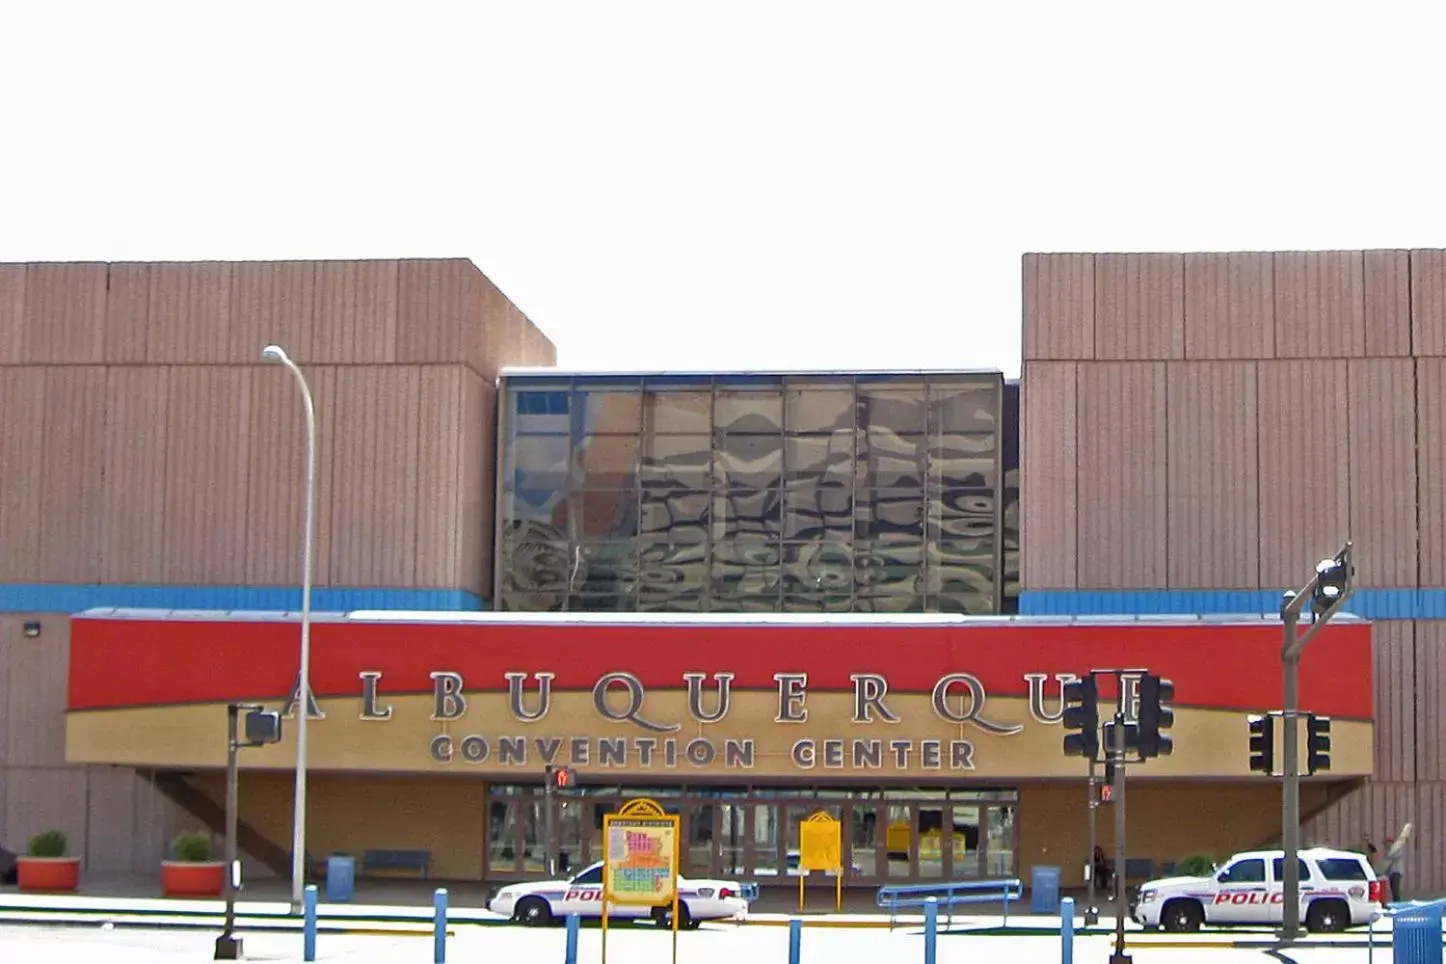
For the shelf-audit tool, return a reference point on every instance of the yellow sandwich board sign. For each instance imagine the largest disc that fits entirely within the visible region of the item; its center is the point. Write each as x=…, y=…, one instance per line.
x=640, y=862
x=820, y=847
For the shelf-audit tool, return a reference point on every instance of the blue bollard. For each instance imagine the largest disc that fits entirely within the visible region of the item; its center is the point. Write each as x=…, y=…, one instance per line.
x=1066, y=931
x=574, y=926
x=795, y=940
x=931, y=929
x=308, y=923
x=439, y=925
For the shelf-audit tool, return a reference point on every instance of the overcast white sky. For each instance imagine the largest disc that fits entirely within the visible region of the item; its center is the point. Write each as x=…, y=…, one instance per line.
x=739, y=185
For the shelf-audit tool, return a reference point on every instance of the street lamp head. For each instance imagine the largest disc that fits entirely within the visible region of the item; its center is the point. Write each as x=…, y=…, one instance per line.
x=274, y=353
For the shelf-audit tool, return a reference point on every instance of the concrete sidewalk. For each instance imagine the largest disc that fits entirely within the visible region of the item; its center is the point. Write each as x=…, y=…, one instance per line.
x=402, y=892
x=268, y=906
x=265, y=906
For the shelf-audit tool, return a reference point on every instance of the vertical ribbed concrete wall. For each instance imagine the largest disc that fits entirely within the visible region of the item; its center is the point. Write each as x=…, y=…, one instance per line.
x=1199, y=429
x=150, y=445
x=153, y=459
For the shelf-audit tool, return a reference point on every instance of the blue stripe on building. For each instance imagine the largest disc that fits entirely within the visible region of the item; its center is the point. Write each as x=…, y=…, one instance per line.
x=65, y=598
x=1375, y=604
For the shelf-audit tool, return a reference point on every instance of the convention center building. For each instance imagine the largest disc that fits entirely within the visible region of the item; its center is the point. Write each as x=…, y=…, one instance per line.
x=750, y=596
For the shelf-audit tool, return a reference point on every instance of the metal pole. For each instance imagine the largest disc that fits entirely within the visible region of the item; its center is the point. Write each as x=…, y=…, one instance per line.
x=298, y=841
x=228, y=946
x=1092, y=910
x=549, y=801
x=1121, y=905
x=1290, y=788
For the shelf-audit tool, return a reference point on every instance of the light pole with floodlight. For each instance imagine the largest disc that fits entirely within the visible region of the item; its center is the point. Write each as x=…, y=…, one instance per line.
x=275, y=353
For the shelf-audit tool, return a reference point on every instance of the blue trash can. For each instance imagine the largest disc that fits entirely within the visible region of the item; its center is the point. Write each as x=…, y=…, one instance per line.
x=340, y=878
x=1044, y=890
x=1416, y=935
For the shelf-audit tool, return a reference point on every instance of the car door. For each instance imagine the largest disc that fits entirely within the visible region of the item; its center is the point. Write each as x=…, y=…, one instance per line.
x=1276, y=913
x=1242, y=893
x=583, y=894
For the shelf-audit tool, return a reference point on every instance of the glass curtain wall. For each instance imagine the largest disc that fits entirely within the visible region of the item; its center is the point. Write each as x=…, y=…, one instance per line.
x=823, y=493
x=889, y=835
x=1009, y=493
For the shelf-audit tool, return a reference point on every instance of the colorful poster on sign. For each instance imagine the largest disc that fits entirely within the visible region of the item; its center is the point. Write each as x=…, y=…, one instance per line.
x=640, y=854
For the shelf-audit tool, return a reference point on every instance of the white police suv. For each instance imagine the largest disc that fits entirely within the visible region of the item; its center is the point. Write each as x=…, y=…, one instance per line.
x=537, y=904
x=1338, y=889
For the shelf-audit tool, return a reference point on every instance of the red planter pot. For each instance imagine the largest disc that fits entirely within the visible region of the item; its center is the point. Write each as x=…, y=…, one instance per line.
x=51, y=875
x=193, y=880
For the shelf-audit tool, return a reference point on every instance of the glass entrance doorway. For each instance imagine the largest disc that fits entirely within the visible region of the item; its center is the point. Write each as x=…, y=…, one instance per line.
x=889, y=836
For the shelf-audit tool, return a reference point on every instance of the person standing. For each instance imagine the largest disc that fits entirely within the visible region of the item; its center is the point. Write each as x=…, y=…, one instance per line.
x=1393, y=861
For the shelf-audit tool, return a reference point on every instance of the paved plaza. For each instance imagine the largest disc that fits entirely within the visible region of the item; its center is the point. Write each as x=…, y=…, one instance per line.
x=710, y=945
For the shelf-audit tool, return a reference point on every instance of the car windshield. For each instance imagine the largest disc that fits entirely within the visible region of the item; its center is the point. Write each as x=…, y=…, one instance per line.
x=593, y=875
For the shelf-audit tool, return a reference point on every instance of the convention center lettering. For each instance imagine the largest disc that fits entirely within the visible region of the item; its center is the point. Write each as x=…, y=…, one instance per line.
x=957, y=699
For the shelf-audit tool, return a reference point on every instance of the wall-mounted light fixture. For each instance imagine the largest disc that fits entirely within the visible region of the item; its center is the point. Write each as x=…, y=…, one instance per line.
x=32, y=629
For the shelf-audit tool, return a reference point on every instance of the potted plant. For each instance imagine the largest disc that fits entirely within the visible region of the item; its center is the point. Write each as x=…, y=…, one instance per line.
x=1196, y=865
x=45, y=867
x=191, y=872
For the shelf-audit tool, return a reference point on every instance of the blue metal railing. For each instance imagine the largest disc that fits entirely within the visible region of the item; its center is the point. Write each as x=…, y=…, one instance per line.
x=948, y=895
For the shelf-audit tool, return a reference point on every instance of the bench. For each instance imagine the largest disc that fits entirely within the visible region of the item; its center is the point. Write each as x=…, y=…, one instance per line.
x=947, y=896
x=1140, y=868
x=416, y=860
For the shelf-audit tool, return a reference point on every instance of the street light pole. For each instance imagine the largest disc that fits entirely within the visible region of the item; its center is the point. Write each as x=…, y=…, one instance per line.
x=228, y=945
x=1326, y=593
x=275, y=353
x=1290, y=787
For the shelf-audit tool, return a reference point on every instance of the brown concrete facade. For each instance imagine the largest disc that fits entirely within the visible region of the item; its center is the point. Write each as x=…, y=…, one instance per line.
x=1200, y=428
x=153, y=446
x=155, y=459
x=354, y=812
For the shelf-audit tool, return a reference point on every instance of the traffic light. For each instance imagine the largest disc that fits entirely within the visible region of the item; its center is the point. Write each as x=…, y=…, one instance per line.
x=561, y=778
x=1333, y=580
x=1082, y=716
x=1317, y=743
x=1156, y=716
x=1262, y=744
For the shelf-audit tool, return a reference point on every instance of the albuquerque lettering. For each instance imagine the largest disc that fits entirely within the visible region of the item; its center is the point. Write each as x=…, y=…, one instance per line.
x=957, y=699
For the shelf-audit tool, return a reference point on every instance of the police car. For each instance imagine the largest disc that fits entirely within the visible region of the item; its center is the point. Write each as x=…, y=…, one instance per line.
x=536, y=904
x=1338, y=889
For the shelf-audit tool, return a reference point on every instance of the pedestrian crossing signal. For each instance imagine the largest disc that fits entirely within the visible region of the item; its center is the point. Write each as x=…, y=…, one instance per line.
x=1107, y=793
x=562, y=778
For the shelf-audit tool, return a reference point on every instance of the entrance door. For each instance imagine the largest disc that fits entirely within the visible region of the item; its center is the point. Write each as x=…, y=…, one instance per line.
x=901, y=841
x=865, y=851
x=699, y=840
x=997, y=845
x=730, y=836
x=936, y=841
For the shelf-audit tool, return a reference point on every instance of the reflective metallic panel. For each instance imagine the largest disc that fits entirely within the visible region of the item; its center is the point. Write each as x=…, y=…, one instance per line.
x=767, y=493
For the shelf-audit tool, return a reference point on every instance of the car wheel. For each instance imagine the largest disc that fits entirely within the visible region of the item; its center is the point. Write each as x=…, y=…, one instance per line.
x=664, y=917
x=1181, y=916
x=533, y=912
x=1327, y=917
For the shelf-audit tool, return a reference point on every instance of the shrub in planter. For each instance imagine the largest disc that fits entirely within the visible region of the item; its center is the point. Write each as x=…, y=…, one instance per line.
x=45, y=867
x=191, y=871
x=1196, y=865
